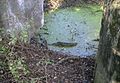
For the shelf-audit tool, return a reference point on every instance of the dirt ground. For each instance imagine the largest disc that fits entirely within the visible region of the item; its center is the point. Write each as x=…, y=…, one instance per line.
x=47, y=66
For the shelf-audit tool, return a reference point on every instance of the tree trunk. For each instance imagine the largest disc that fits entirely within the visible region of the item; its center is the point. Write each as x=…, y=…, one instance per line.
x=108, y=58
x=20, y=15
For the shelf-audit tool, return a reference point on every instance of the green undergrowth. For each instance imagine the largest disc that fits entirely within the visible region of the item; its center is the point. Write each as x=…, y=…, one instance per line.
x=12, y=62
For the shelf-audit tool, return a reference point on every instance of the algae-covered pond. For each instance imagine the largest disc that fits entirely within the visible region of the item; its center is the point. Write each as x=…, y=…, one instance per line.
x=79, y=25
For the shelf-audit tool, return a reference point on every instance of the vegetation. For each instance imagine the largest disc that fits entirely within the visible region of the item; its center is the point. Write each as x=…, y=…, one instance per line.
x=25, y=55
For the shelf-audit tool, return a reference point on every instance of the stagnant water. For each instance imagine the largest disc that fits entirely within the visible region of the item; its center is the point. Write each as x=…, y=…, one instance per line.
x=79, y=25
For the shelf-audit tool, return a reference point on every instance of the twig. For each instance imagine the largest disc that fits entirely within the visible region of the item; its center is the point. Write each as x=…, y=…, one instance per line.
x=64, y=59
x=23, y=47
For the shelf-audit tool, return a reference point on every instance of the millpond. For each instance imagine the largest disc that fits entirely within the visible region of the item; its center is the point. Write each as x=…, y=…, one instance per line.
x=73, y=30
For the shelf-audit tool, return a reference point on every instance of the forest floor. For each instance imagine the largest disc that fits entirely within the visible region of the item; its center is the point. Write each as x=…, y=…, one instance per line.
x=46, y=66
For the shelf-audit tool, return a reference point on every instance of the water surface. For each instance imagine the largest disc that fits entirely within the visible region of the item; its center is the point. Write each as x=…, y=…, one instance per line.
x=74, y=24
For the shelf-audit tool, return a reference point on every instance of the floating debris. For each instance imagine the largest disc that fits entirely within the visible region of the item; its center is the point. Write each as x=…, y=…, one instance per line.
x=63, y=44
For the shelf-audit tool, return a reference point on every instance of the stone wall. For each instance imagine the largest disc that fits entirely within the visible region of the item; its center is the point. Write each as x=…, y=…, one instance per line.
x=108, y=58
